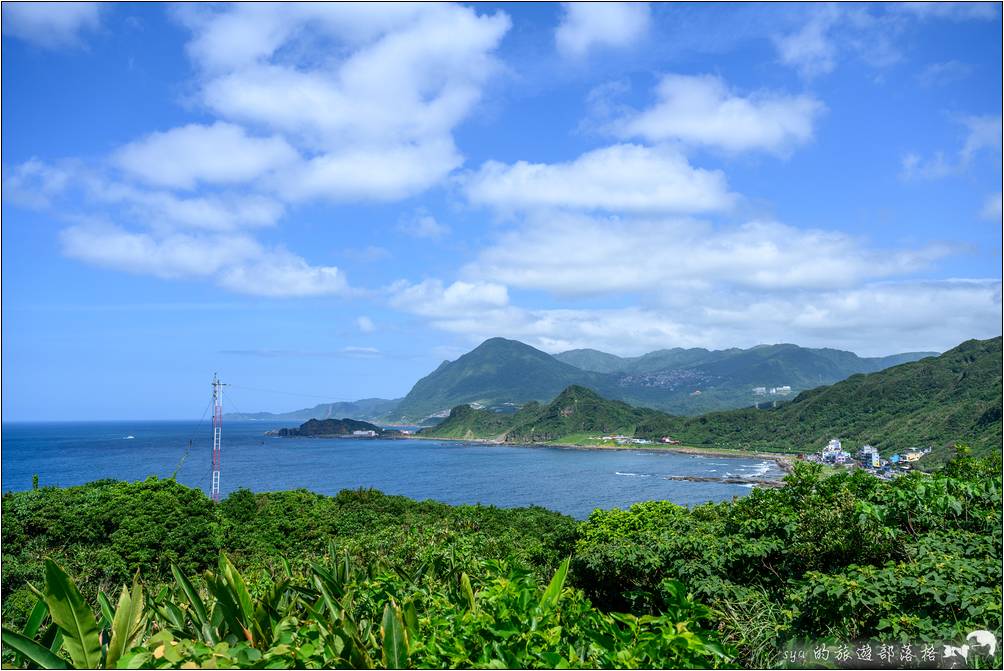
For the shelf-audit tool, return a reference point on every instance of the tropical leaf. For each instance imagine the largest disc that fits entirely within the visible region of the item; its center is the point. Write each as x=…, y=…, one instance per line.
x=199, y=613
x=127, y=627
x=395, y=640
x=240, y=590
x=107, y=612
x=553, y=590
x=465, y=584
x=28, y=648
x=81, y=636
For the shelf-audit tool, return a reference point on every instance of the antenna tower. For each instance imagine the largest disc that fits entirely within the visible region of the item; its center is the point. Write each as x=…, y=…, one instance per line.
x=217, y=436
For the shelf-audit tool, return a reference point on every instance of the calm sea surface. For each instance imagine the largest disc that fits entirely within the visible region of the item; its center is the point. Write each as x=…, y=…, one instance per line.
x=573, y=482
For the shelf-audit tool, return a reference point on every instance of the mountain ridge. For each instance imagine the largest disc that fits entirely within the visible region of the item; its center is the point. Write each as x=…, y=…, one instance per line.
x=934, y=401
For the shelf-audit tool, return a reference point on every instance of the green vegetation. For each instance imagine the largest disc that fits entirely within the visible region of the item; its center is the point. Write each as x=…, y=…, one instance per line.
x=768, y=365
x=321, y=428
x=575, y=411
x=932, y=402
x=295, y=579
x=498, y=371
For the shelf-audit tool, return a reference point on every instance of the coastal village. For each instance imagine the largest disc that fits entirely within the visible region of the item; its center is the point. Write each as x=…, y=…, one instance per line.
x=868, y=458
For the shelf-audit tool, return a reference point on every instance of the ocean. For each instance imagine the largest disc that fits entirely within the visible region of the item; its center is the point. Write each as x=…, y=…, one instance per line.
x=570, y=481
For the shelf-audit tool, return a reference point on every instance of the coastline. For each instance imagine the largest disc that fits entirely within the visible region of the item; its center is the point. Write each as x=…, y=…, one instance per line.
x=783, y=460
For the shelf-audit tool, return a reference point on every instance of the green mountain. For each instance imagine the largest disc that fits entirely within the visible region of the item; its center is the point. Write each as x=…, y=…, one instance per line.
x=506, y=374
x=932, y=402
x=575, y=410
x=325, y=428
x=367, y=408
x=695, y=381
x=936, y=402
x=497, y=373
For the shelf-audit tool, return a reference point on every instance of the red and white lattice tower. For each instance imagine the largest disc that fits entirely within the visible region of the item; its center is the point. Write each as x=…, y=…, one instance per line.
x=217, y=436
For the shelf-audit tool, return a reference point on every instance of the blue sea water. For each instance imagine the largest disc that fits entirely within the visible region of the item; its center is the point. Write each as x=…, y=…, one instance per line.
x=570, y=481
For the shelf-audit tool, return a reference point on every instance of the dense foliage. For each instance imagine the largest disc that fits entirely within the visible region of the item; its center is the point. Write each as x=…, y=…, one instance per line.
x=932, y=402
x=322, y=428
x=575, y=410
x=848, y=557
x=364, y=579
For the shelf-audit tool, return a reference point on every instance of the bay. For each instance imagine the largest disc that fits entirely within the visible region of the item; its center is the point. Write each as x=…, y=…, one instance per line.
x=570, y=481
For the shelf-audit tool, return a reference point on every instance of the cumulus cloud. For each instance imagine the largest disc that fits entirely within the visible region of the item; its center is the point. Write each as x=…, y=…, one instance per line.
x=221, y=153
x=371, y=93
x=431, y=298
x=586, y=25
x=235, y=262
x=873, y=319
x=50, y=25
x=615, y=256
x=701, y=110
x=624, y=177
x=348, y=102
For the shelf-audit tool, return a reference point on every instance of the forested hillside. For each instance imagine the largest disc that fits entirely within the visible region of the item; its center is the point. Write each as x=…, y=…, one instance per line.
x=955, y=397
x=934, y=402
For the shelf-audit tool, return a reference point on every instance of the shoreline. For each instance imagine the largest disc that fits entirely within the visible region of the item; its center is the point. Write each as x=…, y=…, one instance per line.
x=783, y=460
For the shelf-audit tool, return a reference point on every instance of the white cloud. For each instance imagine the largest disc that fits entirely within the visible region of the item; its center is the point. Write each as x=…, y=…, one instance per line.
x=828, y=32
x=992, y=207
x=431, y=298
x=365, y=324
x=371, y=93
x=218, y=154
x=623, y=177
x=35, y=183
x=701, y=110
x=236, y=262
x=163, y=209
x=423, y=225
x=811, y=49
x=946, y=72
x=586, y=25
x=50, y=24
x=280, y=274
x=368, y=173
x=873, y=319
x=984, y=135
x=610, y=256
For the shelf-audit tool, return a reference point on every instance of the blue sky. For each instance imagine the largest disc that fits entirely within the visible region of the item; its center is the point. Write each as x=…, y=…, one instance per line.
x=323, y=202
